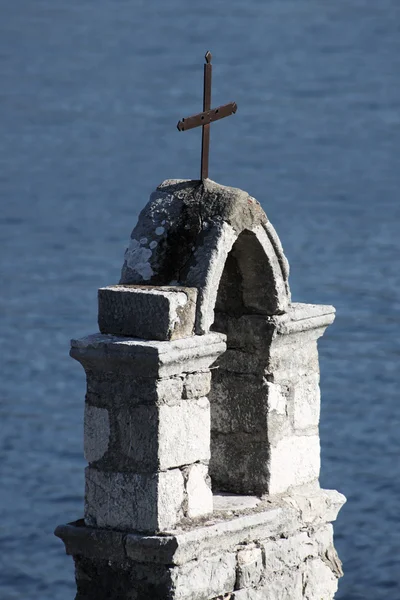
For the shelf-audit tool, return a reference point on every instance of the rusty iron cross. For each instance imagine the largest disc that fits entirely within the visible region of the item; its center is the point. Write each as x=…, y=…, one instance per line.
x=206, y=117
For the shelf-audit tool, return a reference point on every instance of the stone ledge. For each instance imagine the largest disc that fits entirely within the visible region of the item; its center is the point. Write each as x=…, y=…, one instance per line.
x=150, y=358
x=271, y=518
x=303, y=317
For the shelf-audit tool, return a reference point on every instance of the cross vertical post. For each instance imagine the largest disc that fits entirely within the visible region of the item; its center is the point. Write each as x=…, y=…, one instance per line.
x=205, y=142
x=206, y=117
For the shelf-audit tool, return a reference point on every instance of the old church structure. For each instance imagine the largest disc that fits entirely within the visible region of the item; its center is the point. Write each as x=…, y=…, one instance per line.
x=201, y=415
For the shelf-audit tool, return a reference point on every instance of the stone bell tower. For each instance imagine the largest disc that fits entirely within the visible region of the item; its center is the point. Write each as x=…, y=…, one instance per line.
x=201, y=415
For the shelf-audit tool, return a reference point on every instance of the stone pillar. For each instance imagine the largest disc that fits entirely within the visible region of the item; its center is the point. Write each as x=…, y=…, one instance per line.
x=201, y=416
x=147, y=416
x=265, y=401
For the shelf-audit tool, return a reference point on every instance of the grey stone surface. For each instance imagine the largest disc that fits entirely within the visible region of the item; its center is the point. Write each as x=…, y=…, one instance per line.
x=99, y=544
x=96, y=432
x=119, y=387
x=240, y=463
x=151, y=313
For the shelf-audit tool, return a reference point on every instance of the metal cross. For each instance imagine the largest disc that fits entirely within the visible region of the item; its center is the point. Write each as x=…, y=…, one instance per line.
x=206, y=117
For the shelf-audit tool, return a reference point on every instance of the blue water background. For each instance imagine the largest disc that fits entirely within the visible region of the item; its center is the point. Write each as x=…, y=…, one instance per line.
x=90, y=93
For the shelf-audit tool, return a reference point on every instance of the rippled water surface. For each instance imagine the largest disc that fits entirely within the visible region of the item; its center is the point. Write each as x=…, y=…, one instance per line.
x=90, y=94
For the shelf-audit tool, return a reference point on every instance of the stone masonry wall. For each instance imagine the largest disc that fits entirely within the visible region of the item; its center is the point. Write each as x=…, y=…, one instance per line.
x=283, y=551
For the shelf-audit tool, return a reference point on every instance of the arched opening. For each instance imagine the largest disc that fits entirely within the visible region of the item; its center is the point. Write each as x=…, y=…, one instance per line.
x=239, y=393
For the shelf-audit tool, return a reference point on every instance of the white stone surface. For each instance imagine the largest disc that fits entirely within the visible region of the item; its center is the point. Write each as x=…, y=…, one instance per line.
x=126, y=501
x=277, y=401
x=322, y=506
x=164, y=436
x=197, y=385
x=232, y=502
x=249, y=566
x=170, y=496
x=184, y=433
x=294, y=461
x=206, y=578
x=96, y=432
x=198, y=490
x=285, y=585
x=319, y=581
x=306, y=402
x=169, y=390
x=288, y=553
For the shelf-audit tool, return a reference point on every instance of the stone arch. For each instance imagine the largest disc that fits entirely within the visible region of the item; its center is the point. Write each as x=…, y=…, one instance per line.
x=248, y=262
x=185, y=234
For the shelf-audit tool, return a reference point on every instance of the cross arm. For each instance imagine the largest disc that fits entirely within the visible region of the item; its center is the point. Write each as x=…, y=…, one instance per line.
x=209, y=116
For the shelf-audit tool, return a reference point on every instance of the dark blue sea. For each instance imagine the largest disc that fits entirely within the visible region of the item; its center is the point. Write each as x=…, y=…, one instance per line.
x=90, y=94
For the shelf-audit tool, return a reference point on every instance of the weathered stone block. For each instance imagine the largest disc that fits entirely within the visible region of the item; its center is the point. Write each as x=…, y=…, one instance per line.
x=286, y=585
x=150, y=438
x=196, y=385
x=116, y=387
x=238, y=361
x=239, y=463
x=190, y=441
x=271, y=519
x=205, y=578
x=316, y=507
x=294, y=461
x=249, y=566
x=129, y=501
x=161, y=437
x=318, y=581
x=198, y=491
x=151, y=313
x=288, y=553
x=239, y=403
